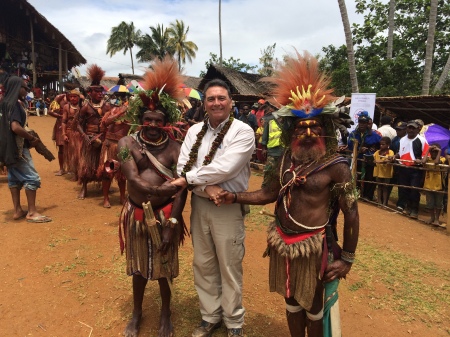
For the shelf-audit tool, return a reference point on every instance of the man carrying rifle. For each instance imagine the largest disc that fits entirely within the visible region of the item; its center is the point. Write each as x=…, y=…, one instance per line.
x=15, y=144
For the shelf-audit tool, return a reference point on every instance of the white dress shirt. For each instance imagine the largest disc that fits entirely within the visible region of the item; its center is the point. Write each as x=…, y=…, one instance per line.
x=387, y=131
x=230, y=167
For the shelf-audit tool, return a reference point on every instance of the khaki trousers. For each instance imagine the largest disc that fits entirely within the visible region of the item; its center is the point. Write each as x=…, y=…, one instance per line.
x=218, y=235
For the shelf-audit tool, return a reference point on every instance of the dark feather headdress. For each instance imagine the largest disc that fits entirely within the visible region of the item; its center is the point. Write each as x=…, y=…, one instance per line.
x=95, y=74
x=162, y=91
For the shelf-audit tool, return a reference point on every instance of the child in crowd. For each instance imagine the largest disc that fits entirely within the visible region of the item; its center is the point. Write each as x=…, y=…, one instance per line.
x=383, y=170
x=434, y=182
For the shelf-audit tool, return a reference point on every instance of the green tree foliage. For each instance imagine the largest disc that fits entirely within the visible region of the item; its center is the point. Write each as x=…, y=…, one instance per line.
x=158, y=44
x=402, y=75
x=266, y=60
x=123, y=37
x=178, y=39
x=334, y=63
x=231, y=63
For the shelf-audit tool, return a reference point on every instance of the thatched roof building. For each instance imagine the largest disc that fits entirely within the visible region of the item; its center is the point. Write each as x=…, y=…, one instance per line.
x=24, y=32
x=244, y=87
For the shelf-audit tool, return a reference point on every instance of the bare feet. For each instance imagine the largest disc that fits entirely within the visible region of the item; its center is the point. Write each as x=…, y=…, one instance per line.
x=106, y=204
x=82, y=194
x=166, y=328
x=436, y=223
x=429, y=221
x=60, y=173
x=22, y=214
x=132, y=329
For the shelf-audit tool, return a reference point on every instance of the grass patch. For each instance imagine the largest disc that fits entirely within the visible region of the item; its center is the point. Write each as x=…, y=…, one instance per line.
x=257, y=221
x=414, y=289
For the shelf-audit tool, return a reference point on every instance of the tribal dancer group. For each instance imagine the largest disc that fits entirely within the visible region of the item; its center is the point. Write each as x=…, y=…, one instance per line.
x=86, y=133
x=311, y=184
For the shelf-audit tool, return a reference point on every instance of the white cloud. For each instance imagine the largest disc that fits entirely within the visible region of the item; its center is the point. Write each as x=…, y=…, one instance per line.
x=248, y=26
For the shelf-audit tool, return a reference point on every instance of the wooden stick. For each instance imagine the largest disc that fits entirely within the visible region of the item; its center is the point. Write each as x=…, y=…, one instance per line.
x=264, y=212
x=152, y=224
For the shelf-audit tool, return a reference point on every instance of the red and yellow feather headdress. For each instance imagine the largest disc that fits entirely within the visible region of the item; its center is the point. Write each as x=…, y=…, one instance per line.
x=302, y=88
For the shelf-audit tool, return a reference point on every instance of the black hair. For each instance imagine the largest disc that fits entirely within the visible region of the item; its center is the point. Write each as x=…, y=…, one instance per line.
x=217, y=82
x=13, y=86
x=386, y=120
x=387, y=140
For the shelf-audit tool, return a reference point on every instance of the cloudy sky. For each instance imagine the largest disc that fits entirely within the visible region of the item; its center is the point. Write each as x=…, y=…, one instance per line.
x=248, y=26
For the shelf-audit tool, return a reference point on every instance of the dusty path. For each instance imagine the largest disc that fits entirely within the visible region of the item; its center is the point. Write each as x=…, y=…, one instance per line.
x=66, y=278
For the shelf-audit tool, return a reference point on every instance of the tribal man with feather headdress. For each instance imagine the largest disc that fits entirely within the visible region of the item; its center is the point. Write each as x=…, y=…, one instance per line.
x=311, y=185
x=55, y=110
x=71, y=137
x=148, y=160
x=116, y=126
x=89, y=126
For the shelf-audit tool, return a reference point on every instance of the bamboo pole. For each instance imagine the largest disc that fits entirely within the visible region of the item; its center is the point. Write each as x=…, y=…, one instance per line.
x=60, y=77
x=33, y=57
x=152, y=224
x=354, y=159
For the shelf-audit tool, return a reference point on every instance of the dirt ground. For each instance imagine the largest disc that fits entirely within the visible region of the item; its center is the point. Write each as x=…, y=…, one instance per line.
x=67, y=277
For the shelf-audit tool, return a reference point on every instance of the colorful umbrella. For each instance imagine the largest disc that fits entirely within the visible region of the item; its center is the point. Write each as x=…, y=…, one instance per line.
x=119, y=88
x=134, y=86
x=434, y=133
x=190, y=92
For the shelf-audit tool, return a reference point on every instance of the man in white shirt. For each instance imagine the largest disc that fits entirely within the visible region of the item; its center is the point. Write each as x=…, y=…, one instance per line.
x=386, y=129
x=412, y=148
x=215, y=156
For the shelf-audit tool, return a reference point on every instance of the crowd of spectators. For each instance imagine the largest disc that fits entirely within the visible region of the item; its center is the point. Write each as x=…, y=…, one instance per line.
x=399, y=155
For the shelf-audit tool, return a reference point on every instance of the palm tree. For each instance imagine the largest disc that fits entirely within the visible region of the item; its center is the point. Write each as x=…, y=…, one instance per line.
x=443, y=77
x=124, y=36
x=390, y=44
x=184, y=49
x=220, y=30
x=429, y=48
x=157, y=44
x=349, y=42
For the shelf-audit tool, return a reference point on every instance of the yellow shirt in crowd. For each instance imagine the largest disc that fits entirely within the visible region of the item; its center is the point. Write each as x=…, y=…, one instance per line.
x=433, y=177
x=382, y=170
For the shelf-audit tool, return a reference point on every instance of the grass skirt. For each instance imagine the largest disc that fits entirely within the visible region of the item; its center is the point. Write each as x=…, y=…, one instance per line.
x=109, y=152
x=88, y=162
x=300, y=262
x=143, y=258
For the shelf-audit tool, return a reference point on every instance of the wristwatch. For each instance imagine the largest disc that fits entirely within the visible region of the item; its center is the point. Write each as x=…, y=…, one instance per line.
x=172, y=222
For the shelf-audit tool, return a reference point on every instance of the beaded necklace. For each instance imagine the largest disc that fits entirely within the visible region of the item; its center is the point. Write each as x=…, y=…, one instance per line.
x=97, y=107
x=164, y=138
x=215, y=145
x=299, y=176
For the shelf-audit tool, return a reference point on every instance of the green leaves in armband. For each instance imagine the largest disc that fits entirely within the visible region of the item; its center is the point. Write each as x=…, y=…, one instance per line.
x=124, y=154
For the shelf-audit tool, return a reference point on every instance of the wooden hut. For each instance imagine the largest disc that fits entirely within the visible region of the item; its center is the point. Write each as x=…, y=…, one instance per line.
x=26, y=36
x=245, y=87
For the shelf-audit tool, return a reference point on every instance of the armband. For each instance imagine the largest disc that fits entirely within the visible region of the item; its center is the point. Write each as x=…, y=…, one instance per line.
x=347, y=256
x=124, y=154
